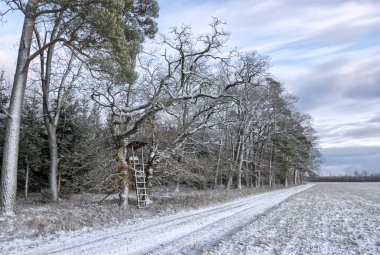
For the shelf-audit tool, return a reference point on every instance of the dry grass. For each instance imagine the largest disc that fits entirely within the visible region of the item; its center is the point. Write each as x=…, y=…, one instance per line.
x=36, y=217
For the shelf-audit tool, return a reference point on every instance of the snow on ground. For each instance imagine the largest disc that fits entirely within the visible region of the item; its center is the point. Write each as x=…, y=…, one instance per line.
x=330, y=218
x=327, y=218
x=184, y=233
x=36, y=216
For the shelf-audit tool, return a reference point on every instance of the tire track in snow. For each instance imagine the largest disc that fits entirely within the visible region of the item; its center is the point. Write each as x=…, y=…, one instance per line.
x=164, y=235
x=212, y=233
x=171, y=220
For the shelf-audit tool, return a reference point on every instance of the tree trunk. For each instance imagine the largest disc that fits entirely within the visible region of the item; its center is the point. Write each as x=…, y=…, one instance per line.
x=255, y=170
x=270, y=170
x=150, y=173
x=59, y=178
x=123, y=195
x=218, y=164
x=53, y=156
x=124, y=171
x=229, y=179
x=232, y=164
x=151, y=164
x=259, y=180
x=27, y=171
x=240, y=166
x=149, y=179
x=149, y=184
x=286, y=180
x=10, y=157
x=230, y=175
x=247, y=179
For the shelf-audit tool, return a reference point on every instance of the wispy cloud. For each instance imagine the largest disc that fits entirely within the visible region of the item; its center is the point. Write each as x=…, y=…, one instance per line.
x=327, y=52
x=8, y=52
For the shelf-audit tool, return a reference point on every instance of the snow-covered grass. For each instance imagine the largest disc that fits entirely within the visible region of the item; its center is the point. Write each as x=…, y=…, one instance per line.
x=36, y=217
x=330, y=218
x=186, y=232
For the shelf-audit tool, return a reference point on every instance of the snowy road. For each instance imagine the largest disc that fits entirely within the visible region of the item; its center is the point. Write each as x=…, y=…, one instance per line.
x=187, y=233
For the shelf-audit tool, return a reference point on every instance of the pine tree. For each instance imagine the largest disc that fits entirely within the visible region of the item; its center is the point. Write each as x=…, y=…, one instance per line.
x=106, y=34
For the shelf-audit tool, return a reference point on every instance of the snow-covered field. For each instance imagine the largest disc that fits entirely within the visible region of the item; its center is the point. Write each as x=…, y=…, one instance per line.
x=330, y=218
x=334, y=218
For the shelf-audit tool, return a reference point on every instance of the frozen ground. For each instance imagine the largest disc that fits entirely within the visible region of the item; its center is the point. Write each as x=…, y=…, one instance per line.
x=330, y=218
x=327, y=218
x=36, y=216
x=191, y=232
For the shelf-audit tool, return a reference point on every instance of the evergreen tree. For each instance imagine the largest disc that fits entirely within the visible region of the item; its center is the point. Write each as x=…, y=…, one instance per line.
x=31, y=167
x=4, y=99
x=81, y=147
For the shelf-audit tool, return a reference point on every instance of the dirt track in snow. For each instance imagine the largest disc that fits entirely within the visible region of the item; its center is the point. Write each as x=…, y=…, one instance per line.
x=190, y=232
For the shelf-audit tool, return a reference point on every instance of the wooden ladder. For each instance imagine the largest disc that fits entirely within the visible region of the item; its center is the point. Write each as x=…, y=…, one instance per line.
x=140, y=186
x=140, y=182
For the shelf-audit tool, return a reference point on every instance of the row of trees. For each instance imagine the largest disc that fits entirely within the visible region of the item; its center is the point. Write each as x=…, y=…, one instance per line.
x=210, y=117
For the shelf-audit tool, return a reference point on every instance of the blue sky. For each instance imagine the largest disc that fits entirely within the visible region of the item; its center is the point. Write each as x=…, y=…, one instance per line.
x=326, y=52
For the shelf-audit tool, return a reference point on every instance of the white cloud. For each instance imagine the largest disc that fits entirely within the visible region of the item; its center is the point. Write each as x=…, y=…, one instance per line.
x=8, y=51
x=326, y=52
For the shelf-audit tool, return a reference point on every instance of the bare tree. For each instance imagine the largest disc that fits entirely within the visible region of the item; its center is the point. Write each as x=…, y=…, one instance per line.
x=185, y=85
x=56, y=86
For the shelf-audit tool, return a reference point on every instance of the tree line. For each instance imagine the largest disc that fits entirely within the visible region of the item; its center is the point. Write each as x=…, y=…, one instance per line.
x=86, y=85
x=347, y=178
